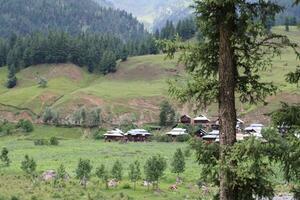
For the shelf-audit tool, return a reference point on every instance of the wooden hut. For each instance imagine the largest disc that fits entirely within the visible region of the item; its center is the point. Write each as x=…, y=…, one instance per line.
x=175, y=132
x=185, y=119
x=137, y=135
x=114, y=135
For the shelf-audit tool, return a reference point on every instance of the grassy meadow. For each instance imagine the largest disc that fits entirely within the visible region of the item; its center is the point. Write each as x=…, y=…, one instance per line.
x=75, y=145
x=72, y=147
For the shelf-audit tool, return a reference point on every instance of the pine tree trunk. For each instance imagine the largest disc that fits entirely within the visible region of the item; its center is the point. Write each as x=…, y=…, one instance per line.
x=227, y=111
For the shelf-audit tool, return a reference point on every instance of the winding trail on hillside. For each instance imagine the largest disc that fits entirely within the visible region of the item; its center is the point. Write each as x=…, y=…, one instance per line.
x=20, y=109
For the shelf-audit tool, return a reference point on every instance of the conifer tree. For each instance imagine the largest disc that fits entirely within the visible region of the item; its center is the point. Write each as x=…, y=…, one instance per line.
x=178, y=162
x=11, y=78
x=83, y=171
x=102, y=174
x=117, y=171
x=134, y=172
x=227, y=62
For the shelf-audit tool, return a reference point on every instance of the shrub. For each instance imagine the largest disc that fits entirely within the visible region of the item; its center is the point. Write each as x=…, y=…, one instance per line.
x=4, y=157
x=183, y=138
x=25, y=125
x=50, y=116
x=99, y=134
x=117, y=170
x=42, y=82
x=40, y=142
x=126, y=126
x=28, y=165
x=162, y=138
x=54, y=141
x=126, y=186
x=6, y=129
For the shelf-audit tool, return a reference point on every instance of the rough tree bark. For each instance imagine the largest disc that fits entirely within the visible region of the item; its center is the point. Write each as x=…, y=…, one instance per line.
x=227, y=111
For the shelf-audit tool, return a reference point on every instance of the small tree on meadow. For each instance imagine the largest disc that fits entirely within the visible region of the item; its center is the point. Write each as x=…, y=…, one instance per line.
x=167, y=114
x=83, y=171
x=117, y=170
x=178, y=163
x=11, y=78
x=102, y=174
x=28, y=165
x=154, y=169
x=134, y=172
x=42, y=82
x=4, y=157
x=61, y=175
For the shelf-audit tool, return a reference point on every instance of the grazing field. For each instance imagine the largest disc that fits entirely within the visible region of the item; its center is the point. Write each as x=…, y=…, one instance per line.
x=71, y=148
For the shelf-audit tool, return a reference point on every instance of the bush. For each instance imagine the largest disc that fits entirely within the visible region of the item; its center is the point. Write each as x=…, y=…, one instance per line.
x=25, y=125
x=183, y=138
x=126, y=126
x=4, y=157
x=41, y=142
x=126, y=186
x=54, y=141
x=99, y=134
x=162, y=138
x=6, y=129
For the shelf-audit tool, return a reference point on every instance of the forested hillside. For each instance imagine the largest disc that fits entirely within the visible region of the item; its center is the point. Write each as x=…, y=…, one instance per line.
x=72, y=16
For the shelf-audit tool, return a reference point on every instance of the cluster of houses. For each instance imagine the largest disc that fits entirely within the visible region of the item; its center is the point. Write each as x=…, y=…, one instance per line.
x=209, y=131
x=133, y=135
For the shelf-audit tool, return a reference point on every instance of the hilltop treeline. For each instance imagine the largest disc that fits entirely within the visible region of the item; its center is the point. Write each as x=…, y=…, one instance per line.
x=98, y=53
x=71, y=16
x=185, y=28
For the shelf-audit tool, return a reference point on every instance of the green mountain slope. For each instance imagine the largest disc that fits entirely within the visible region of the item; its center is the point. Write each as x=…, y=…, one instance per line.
x=133, y=93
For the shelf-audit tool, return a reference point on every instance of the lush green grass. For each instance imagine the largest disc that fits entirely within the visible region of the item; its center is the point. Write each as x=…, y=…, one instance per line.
x=72, y=148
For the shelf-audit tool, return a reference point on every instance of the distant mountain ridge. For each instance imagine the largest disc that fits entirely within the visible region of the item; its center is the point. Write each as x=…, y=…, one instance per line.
x=154, y=13
x=72, y=16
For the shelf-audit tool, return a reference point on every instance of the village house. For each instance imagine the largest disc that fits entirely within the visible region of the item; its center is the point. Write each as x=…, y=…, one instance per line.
x=175, y=132
x=185, y=119
x=202, y=121
x=240, y=125
x=114, y=135
x=137, y=135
